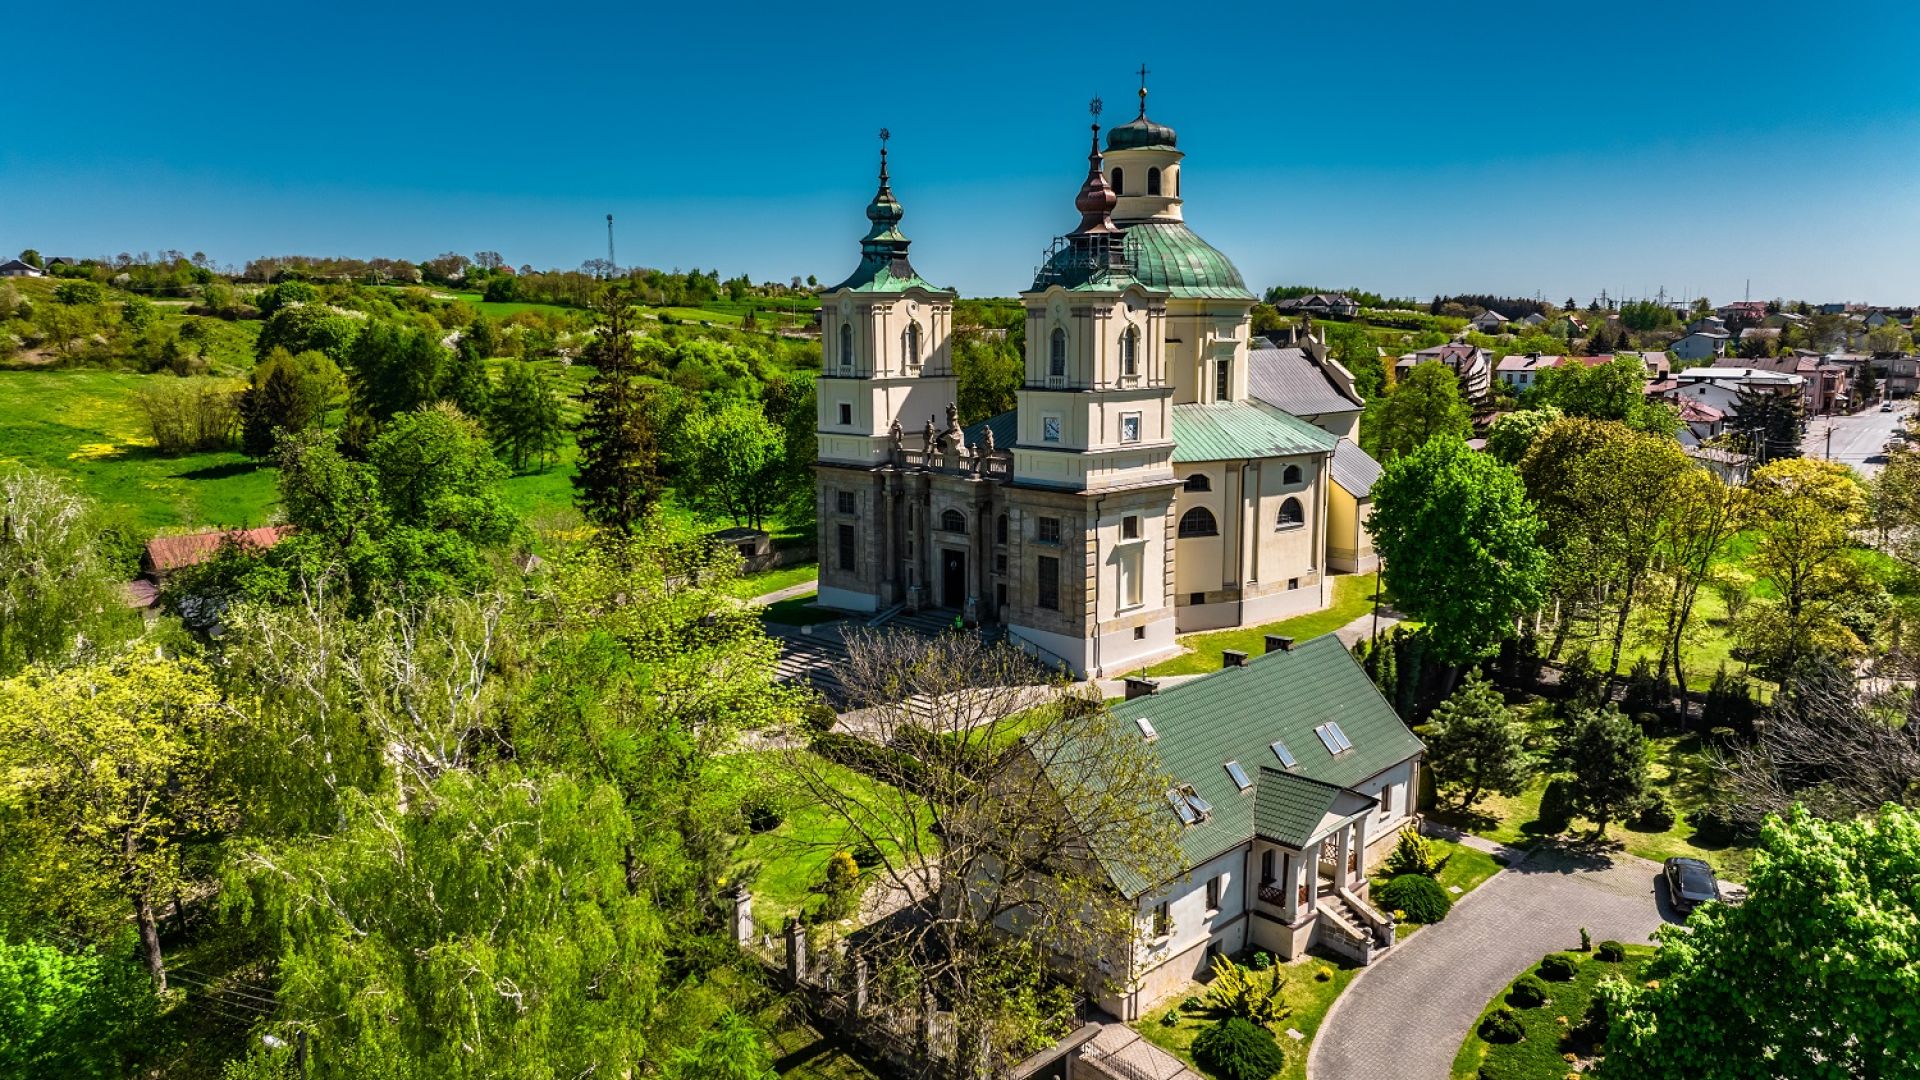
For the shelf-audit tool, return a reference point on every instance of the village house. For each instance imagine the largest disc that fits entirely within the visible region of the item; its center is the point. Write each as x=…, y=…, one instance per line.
x=18, y=268
x=1337, y=304
x=1490, y=322
x=165, y=556
x=1291, y=778
x=1472, y=364
x=1701, y=345
x=1522, y=371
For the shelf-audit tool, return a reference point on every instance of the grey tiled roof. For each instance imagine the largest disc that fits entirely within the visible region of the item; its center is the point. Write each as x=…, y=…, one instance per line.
x=1288, y=379
x=1354, y=469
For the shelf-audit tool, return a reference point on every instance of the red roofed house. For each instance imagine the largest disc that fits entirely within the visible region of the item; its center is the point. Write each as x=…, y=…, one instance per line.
x=165, y=554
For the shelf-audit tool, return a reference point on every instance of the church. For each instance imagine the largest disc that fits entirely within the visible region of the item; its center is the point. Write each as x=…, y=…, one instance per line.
x=1164, y=471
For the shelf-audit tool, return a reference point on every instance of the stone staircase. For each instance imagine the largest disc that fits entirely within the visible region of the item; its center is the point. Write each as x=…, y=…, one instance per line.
x=927, y=622
x=1346, y=930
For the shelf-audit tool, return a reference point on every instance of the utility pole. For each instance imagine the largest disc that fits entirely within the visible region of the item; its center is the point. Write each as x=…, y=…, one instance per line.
x=612, y=267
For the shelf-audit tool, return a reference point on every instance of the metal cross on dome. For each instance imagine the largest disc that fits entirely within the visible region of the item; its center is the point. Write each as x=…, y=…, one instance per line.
x=884, y=136
x=1094, y=106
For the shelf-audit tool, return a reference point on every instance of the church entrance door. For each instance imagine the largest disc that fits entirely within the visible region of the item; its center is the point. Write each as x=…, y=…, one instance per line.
x=953, y=578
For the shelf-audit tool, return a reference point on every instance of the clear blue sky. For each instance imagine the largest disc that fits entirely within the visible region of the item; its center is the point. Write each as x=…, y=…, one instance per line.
x=1404, y=147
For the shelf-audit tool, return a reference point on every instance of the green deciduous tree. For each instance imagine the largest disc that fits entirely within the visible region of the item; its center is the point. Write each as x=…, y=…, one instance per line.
x=287, y=394
x=1811, y=978
x=122, y=760
x=1805, y=510
x=525, y=420
x=395, y=368
x=990, y=370
x=1512, y=434
x=1605, y=757
x=734, y=463
x=59, y=593
x=1474, y=747
x=1703, y=516
x=1460, y=546
x=1424, y=406
x=69, y=1014
x=1615, y=390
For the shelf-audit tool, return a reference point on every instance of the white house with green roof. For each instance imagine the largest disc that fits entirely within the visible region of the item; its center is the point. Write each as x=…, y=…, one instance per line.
x=1138, y=490
x=1291, y=777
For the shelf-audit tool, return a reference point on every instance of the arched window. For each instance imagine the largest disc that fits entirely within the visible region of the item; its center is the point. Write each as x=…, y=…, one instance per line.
x=913, y=344
x=1291, y=516
x=1130, y=353
x=1057, y=357
x=1198, y=522
x=1000, y=530
x=1199, y=482
x=1290, y=475
x=1153, y=181
x=953, y=521
x=846, y=345
x=1118, y=186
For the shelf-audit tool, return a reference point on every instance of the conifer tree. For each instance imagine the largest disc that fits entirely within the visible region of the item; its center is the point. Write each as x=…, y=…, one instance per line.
x=619, y=479
x=525, y=418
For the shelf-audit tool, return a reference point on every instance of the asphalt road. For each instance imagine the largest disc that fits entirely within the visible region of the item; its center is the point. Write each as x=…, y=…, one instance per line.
x=1858, y=440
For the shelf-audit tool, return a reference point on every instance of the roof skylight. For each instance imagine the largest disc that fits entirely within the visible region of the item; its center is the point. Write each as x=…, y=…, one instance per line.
x=1285, y=755
x=1239, y=775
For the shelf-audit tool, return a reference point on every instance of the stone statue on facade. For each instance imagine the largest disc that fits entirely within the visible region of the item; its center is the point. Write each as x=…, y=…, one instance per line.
x=953, y=417
x=933, y=442
x=894, y=437
x=991, y=449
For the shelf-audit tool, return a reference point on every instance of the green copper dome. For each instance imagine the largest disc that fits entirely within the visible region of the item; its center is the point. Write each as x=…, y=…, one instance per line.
x=1168, y=255
x=1139, y=133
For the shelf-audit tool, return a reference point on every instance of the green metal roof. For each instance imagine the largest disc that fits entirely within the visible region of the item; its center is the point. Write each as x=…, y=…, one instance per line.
x=1006, y=428
x=885, y=276
x=1240, y=430
x=1168, y=255
x=1236, y=713
x=1293, y=810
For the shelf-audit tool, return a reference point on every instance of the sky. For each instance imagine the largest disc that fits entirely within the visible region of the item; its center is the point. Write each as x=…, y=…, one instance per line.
x=1409, y=149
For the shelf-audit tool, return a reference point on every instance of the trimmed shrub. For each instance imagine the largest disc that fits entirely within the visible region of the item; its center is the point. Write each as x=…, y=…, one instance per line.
x=1502, y=1025
x=1171, y=1019
x=1558, y=967
x=1655, y=816
x=1556, y=805
x=1612, y=952
x=1528, y=992
x=1419, y=896
x=1235, y=1049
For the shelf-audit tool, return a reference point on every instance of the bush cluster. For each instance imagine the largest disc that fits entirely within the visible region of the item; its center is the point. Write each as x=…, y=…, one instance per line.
x=1612, y=952
x=1558, y=967
x=1502, y=1025
x=1419, y=896
x=1528, y=992
x=1236, y=1049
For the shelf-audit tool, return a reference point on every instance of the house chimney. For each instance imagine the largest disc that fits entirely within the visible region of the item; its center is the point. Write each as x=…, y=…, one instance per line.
x=1233, y=658
x=1279, y=643
x=1141, y=686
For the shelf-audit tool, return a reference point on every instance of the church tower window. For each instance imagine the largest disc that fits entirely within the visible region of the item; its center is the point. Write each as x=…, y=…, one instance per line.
x=1000, y=530
x=846, y=347
x=1291, y=516
x=953, y=521
x=1057, y=354
x=1153, y=181
x=1199, y=482
x=1130, y=353
x=1118, y=185
x=1198, y=522
x=1223, y=380
x=913, y=344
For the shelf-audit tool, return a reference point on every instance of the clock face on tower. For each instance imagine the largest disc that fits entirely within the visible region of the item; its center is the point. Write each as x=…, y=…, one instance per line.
x=1129, y=429
x=1050, y=428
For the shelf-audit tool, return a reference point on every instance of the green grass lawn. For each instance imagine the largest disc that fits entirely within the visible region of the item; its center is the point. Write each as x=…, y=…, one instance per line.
x=86, y=425
x=799, y=611
x=1308, y=997
x=1352, y=598
x=1467, y=867
x=1538, y=1055
x=803, y=1052
x=1680, y=770
x=791, y=858
x=752, y=585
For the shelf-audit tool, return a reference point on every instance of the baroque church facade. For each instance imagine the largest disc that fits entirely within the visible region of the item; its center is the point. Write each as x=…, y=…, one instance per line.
x=1164, y=471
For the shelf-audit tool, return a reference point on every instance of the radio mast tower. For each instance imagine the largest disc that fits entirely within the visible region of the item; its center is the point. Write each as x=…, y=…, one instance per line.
x=612, y=266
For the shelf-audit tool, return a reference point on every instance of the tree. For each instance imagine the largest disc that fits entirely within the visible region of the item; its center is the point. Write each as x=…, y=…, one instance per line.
x=122, y=760
x=1605, y=755
x=395, y=369
x=1010, y=817
x=466, y=383
x=1473, y=745
x=734, y=461
x=989, y=372
x=1809, y=977
x=1767, y=423
x=1460, y=546
x=1513, y=433
x=287, y=394
x=1615, y=390
x=1806, y=511
x=1702, y=517
x=525, y=420
x=1603, y=490
x=1424, y=406
x=308, y=328
x=73, y=1014
x=60, y=595
x=618, y=479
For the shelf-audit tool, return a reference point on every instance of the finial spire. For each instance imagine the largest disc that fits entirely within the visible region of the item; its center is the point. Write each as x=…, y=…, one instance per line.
x=1143, y=89
x=1097, y=200
x=884, y=136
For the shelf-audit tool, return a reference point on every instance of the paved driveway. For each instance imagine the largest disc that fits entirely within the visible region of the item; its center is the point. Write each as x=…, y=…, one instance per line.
x=1406, y=1016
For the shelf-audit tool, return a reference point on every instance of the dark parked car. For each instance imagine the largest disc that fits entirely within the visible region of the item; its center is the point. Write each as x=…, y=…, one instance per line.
x=1690, y=883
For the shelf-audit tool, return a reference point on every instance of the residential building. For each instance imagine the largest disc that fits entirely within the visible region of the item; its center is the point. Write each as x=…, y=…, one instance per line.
x=1701, y=345
x=1291, y=777
x=1349, y=504
x=1745, y=312
x=1721, y=387
x=1707, y=322
x=1534, y=319
x=1337, y=304
x=1490, y=322
x=1471, y=363
x=1140, y=488
x=1522, y=370
x=1897, y=372
x=18, y=268
x=1657, y=365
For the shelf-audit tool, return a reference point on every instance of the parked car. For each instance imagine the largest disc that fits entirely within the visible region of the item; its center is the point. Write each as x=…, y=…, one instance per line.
x=1690, y=883
x=1886, y=406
